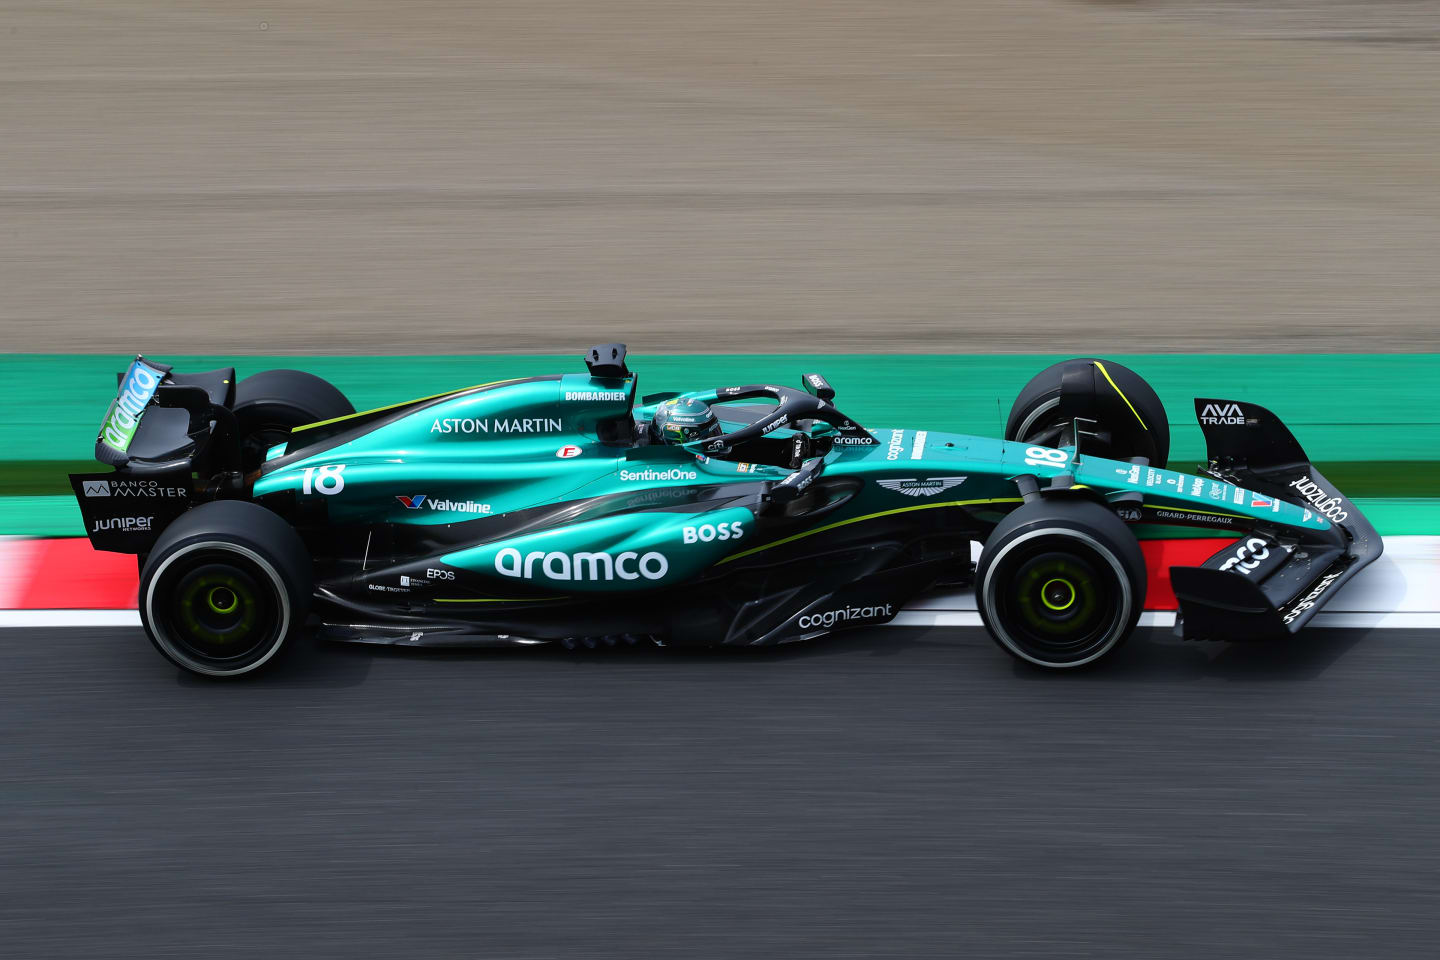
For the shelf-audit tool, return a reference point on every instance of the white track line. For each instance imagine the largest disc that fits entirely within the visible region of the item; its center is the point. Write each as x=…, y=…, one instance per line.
x=1399, y=591
x=69, y=618
x=1405, y=620
x=1402, y=620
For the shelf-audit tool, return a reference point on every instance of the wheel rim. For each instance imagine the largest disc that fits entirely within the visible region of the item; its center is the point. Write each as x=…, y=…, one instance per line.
x=217, y=609
x=1057, y=600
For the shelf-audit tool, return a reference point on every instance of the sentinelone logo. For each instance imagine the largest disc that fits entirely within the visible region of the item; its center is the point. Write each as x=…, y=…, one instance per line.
x=674, y=473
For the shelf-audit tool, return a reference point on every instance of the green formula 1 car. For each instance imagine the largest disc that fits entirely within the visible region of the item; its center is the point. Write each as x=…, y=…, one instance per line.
x=570, y=508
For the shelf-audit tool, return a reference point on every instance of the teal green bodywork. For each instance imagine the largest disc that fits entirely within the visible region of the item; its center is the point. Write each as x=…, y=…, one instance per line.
x=493, y=450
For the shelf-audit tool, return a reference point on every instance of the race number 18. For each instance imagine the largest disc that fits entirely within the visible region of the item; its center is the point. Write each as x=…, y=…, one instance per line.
x=1045, y=457
x=329, y=482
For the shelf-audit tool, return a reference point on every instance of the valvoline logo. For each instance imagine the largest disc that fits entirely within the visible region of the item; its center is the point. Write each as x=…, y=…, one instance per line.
x=412, y=503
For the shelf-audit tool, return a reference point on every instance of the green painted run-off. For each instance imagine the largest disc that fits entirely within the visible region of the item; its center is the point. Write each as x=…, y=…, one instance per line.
x=1370, y=422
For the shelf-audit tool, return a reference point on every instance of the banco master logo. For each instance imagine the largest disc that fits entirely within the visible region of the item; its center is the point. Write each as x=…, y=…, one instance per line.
x=916, y=487
x=558, y=565
x=132, y=488
x=845, y=614
x=1214, y=414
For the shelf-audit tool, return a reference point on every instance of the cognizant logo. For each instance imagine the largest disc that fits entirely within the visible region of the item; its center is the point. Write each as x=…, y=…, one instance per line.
x=831, y=617
x=557, y=565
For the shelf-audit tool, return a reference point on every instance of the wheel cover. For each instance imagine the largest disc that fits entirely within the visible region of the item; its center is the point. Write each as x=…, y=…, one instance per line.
x=1057, y=598
x=217, y=608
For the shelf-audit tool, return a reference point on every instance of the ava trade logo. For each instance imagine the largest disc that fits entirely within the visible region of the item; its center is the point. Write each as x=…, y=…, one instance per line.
x=1216, y=414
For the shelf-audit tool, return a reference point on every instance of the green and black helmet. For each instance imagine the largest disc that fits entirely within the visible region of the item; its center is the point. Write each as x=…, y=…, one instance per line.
x=682, y=420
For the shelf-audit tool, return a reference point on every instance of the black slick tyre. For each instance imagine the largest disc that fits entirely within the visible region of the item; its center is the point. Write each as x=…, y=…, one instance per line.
x=1124, y=407
x=269, y=404
x=1061, y=583
x=226, y=588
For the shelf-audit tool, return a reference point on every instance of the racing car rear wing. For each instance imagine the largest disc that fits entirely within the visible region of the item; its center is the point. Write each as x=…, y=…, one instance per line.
x=1273, y=581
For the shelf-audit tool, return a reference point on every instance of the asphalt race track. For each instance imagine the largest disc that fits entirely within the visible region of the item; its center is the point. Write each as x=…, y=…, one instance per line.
x=896, y=792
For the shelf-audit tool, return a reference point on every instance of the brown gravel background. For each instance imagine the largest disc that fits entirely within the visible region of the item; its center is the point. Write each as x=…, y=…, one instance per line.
x=914, y=175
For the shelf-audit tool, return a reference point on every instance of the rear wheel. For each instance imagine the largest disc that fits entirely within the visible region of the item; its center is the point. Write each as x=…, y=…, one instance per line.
x=225, y=588
x=268, y=405
x=1127, y=412
x=1060, y=583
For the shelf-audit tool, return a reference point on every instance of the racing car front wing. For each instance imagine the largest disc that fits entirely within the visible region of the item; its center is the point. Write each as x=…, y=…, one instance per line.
x=1273, y=580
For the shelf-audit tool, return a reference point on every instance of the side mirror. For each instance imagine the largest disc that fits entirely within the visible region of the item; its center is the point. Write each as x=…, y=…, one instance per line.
x=817, y=386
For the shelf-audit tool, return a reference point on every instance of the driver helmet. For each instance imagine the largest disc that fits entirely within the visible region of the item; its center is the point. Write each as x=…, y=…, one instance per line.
x=684, y=419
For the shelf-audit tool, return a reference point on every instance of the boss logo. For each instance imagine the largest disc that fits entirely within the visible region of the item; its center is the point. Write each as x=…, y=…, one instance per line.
x=707, y=532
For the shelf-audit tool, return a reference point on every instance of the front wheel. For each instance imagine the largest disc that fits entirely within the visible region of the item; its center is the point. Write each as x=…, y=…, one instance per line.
x=1122, y=409
x=225, y=588
x=1060, y=583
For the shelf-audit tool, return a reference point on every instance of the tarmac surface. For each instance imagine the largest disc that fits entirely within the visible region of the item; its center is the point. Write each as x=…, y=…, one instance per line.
x=821, y=175
x=885, y=793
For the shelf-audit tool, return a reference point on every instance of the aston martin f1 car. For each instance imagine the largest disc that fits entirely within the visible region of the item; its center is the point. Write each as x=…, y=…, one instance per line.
x=572, y=509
